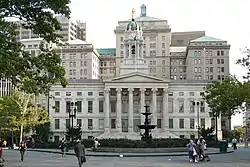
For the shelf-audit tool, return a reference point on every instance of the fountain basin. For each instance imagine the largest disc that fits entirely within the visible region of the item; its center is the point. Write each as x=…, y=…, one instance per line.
x=146, y=126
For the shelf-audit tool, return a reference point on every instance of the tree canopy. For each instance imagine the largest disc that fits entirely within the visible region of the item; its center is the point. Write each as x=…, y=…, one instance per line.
x=20, y=110
x=226, y=97
x=238, y=132
x=28, y=72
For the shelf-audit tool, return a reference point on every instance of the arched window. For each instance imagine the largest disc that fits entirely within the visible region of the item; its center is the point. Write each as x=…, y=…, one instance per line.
x=133, y=49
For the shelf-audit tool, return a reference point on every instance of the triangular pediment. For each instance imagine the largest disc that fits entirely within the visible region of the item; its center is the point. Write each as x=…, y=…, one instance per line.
x=136, y=77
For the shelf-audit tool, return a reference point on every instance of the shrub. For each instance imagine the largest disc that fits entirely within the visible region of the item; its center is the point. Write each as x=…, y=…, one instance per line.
x=126, y=143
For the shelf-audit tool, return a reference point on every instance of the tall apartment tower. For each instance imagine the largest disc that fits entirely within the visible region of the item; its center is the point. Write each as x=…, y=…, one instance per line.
x=70, y=30
x=80, y=60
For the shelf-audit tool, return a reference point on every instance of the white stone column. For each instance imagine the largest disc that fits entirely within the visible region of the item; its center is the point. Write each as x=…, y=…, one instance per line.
x=130, y=111
x=129, y=51
x=119, y=109
x=137, y=51
x=142, y=104
x=165, y=113
x=107, y=117
x=125, y=51
x=141, y=51
x=154, y=109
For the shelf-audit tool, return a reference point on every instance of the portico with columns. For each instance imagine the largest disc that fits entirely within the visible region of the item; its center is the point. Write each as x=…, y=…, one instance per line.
x=125, y=98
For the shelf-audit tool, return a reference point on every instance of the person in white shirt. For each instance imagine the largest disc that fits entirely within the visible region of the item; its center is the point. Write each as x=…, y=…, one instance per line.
x=96, y=144
x=234, y=141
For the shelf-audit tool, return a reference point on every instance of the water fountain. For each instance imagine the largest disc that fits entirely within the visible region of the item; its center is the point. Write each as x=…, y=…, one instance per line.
x=146, y=136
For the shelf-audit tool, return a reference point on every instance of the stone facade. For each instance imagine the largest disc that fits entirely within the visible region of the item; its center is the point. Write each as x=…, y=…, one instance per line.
x=150, y=65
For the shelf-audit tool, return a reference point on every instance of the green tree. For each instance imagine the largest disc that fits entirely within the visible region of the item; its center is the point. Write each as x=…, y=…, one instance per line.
x=208, y=133
x=32, y=74
x=43, y=131
x=238, y=132
x=226, y=97
x=74, y=132
x=20, y=110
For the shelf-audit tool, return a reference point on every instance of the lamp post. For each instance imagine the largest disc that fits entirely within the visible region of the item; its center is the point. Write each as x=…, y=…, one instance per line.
x=72, y=112
x=198, y=116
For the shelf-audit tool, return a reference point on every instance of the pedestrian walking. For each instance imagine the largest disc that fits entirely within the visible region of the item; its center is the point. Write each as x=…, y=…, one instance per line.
x=191, y=151
x=234, y=141
x=96, y=144
x=22, y=148
x=80, y=153
x=33, y=143
x=202, y=150
x=62, y=147
x=2, y=161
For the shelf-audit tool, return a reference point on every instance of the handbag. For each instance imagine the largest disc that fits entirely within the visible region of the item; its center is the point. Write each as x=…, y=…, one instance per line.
x=83, y=159
x=194, y=152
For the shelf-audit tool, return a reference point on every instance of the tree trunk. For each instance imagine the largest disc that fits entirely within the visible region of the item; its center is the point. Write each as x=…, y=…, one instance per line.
x=21, y=134
x=216, y=128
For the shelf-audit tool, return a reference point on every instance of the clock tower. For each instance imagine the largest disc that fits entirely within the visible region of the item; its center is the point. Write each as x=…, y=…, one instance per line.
x=133, y=59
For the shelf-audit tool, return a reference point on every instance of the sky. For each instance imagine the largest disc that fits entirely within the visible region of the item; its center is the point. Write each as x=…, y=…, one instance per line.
x=223, y=19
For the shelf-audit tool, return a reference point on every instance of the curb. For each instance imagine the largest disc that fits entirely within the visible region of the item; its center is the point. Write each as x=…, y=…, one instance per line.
x=130, y=155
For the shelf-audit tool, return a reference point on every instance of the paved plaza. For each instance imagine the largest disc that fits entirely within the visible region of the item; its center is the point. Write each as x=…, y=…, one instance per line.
x=240, y=158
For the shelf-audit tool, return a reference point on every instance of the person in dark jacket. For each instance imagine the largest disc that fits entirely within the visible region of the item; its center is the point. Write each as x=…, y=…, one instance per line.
x=80, y=153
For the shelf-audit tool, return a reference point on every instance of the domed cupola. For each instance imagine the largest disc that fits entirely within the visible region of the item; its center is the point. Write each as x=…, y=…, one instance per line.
x=133, y=26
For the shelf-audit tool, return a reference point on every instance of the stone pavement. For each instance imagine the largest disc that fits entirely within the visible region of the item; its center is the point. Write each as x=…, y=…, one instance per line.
x=240, y=158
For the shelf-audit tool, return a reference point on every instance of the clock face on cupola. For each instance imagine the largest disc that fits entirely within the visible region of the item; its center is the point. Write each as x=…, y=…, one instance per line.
x=133, y=30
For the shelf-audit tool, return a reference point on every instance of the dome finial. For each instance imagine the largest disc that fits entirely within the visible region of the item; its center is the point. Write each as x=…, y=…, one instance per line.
x=133, y=13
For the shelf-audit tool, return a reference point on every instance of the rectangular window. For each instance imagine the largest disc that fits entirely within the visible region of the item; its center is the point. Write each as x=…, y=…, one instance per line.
x=67, y=123
x=202, y=107
x=79, y=93
x=218, y=53
x=67, y=106
x=222, y=61
x=101, y=124
x=113, y=106
x=56, y=138
x=158, y=123
x=213, y=122
x=101, y=93
x=90, y=93
x=171, y=123
x=182, y=136
x=101, y=104
x=57, y=106
x=57, y=93
x=79, y=122
x=191, y=93
x=90, y=106
x=90, y=124
x=181, y=106
x=163, y=45
x=218, y=61
x=170, y=106
x=68, y=93
x=79, y=106
x=181, y=93
x=191, y=106
x=124, y=125
x=181, y=123
x=113, y=123
x=222, y=53
x=57, y=123
x=191, y=123
x=203, y=123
